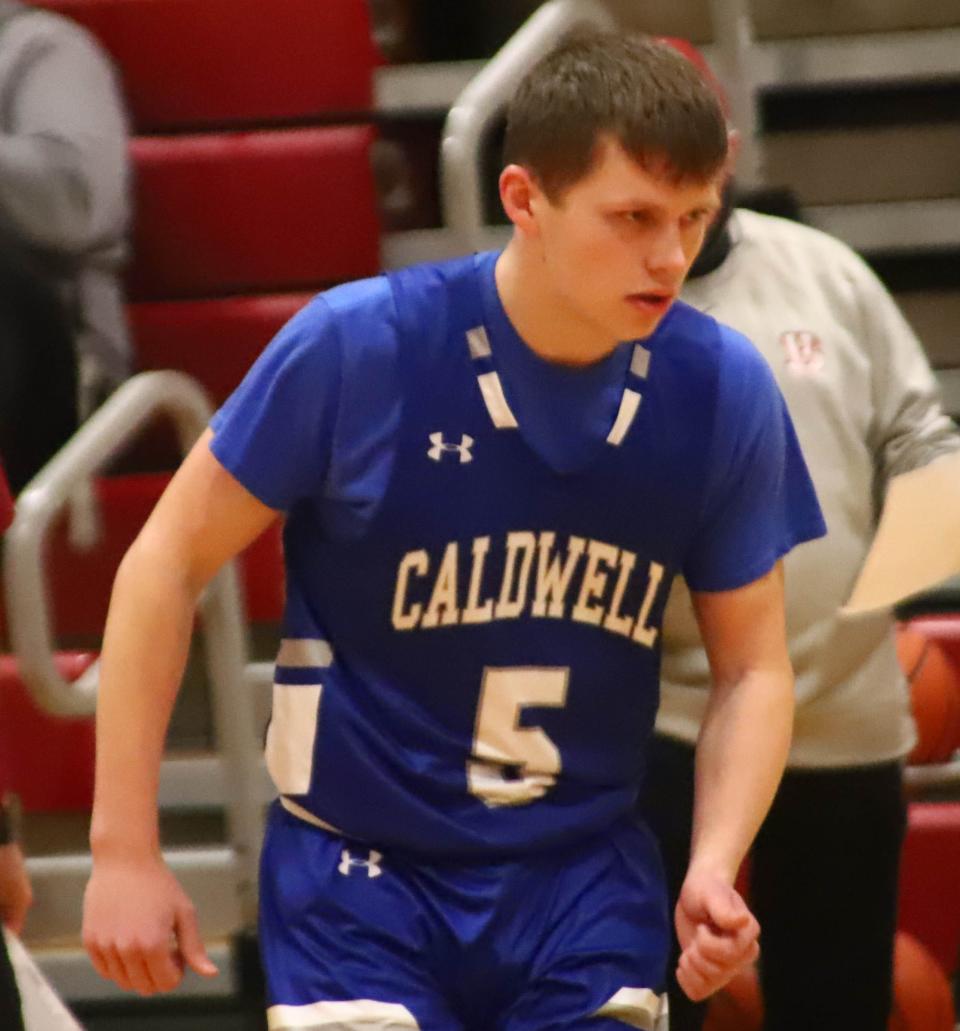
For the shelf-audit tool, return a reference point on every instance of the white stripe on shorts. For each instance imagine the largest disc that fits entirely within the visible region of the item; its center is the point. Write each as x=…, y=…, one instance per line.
x=637, y=1007
x=342, y=1016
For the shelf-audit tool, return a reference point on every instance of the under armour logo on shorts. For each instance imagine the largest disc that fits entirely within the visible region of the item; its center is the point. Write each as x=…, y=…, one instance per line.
x=372, y=863
x=439, y=446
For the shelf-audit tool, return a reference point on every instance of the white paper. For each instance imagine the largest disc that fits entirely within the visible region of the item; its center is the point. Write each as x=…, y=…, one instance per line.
x=918, y=540
x=40, y=1004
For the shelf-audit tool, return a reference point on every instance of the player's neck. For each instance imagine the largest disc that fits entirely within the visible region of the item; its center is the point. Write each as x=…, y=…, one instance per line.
x=543, y=321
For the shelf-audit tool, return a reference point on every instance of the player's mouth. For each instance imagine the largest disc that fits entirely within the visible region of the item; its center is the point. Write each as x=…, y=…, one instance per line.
x=654, y=302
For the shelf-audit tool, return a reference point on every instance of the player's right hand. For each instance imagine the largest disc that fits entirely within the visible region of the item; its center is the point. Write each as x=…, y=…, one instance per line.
x=139, y=927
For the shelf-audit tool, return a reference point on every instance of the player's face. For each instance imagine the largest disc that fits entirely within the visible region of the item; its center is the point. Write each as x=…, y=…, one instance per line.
x=617, y=245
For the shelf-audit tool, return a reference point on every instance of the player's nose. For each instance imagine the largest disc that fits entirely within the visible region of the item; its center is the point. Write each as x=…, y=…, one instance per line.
x=667, y=257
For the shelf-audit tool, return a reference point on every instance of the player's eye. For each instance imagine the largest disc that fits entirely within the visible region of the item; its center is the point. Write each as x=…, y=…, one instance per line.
x=637, y=217
x=695, y=218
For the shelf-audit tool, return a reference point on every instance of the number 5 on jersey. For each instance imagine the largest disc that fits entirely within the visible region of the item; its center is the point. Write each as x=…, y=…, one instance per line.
x=510, y=764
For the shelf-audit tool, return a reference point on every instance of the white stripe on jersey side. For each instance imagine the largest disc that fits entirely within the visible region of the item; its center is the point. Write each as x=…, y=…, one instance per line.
x=300, y=652
x=640, y=362
x=342, y=1016
x=629, y=406
x=496, y=402
x=304, y=814
x=291, y=736
x=478, y=342
x=637, y=1007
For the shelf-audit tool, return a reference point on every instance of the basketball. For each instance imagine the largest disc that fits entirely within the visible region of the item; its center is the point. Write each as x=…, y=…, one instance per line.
x=922, y=1000
x=934, y=695
x=738, y=1005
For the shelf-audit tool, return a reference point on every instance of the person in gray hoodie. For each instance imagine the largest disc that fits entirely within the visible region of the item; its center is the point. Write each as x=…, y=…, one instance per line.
x=865, y=404
x=64, y=220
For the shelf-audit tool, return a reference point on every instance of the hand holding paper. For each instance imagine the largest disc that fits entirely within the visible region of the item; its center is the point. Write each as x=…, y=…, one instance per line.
x=918, y=541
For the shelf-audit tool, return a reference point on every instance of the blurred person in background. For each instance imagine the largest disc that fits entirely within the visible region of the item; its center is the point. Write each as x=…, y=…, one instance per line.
x=64, y=215
x=824, y=867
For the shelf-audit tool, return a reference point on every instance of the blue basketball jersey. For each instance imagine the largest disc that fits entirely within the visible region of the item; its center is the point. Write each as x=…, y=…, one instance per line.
x=470, y=653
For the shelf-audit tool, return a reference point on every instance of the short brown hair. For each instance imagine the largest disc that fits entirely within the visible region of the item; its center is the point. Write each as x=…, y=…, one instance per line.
x=635, y=89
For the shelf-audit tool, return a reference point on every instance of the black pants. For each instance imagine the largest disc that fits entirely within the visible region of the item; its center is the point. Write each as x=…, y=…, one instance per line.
x=823, y=884
x=11, y=1018
x=38, y=365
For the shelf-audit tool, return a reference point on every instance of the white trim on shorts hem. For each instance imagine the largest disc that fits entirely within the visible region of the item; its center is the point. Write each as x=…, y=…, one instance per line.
x=342, y=1016
x=637, y=1007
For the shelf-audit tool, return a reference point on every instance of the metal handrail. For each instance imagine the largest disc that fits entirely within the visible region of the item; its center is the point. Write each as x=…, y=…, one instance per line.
x=735, y=61
x=101, y=439
x=485, y=97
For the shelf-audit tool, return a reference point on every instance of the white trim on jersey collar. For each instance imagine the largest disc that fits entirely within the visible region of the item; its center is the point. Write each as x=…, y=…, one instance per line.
x=629, y=406
x=491, y=388
x=478, y=342
x=640, y=362
x=498, y=408
x=496, y=401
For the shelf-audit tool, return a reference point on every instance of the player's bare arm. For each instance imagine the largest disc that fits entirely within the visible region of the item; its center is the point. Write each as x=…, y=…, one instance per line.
x=133, y=905
x=741, y=753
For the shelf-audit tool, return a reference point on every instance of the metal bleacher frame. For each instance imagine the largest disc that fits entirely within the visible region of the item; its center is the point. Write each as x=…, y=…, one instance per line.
x=222, y=879
x=846, y=61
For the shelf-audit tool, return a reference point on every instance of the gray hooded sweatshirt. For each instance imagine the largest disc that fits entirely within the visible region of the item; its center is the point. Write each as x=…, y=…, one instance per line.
x=65, y=178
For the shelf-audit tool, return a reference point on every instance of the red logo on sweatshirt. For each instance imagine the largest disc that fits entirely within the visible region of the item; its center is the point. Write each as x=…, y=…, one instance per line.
x=803, y=351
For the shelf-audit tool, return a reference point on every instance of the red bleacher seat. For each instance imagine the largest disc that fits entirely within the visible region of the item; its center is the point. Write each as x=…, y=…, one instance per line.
x=290, y=207
x=80, y=581
x=929, y=898
x=233, y=230
x=191, y=64
x=47, y=760
x=243, y=212
x=215, y=341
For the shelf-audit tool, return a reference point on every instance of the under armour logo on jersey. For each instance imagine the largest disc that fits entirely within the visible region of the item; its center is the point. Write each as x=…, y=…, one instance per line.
x=439, y=446
x=371, y=864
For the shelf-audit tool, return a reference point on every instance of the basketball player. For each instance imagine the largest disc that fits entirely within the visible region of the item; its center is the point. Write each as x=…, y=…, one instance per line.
x=491, y=469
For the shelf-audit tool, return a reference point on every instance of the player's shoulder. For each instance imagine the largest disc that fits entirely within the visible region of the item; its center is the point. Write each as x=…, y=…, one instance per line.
x=694, y=333
x=357, y=313
x=425, y=292
x=714, y=359
x=369, y=298
x=421, y=286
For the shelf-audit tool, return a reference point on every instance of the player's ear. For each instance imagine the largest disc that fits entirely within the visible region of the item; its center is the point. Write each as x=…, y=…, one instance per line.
x=519, y=192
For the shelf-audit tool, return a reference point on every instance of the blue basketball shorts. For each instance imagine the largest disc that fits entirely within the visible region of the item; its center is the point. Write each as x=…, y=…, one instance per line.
x=352, y=937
